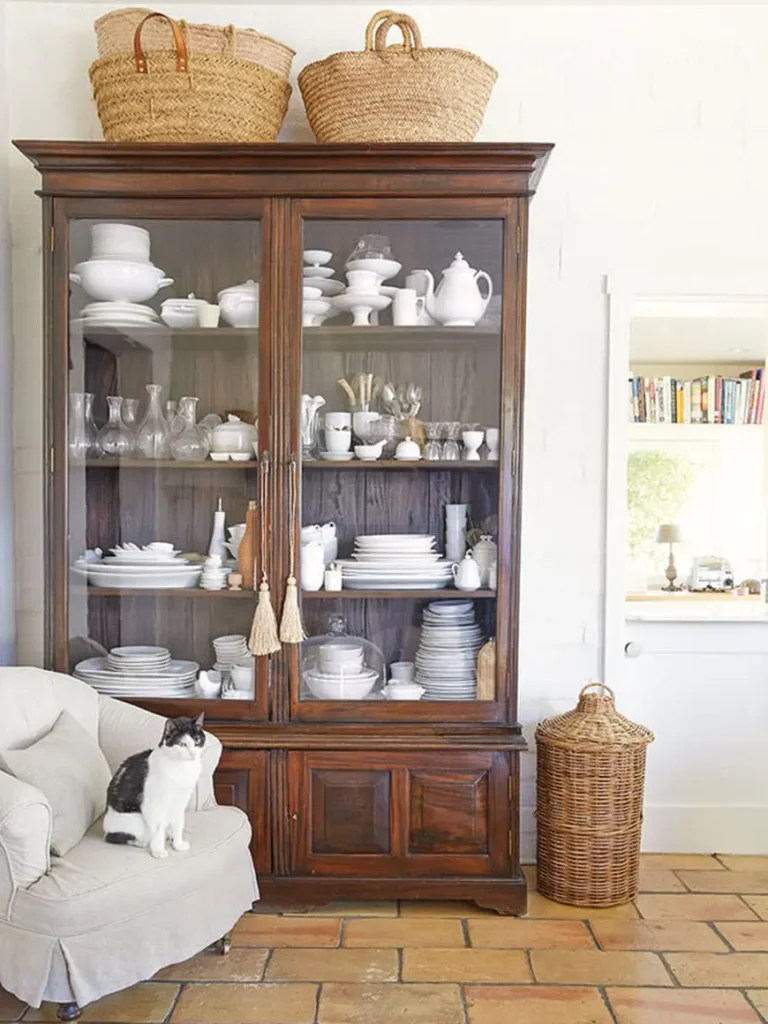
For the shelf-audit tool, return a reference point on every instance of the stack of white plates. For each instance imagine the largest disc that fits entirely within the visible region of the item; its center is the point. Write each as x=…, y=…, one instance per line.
x=396, y=561
x=133, y=568
x=447, y=656
x=151, y=675
x=116, y=314
x=230, y=650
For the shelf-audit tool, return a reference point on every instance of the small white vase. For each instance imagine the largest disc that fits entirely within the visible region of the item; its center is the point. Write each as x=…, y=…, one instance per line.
x=312, y=565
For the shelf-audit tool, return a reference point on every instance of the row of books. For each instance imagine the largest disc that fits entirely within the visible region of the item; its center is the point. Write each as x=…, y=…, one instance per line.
x=704, y=400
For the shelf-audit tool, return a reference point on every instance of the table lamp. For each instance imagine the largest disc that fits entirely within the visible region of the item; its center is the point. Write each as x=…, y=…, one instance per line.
x=670, y=533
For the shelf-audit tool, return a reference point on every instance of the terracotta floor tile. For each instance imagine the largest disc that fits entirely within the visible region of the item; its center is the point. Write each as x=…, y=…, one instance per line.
x=539, y=906
x=466, y=965
x=384, y=1004
x=263, y=931
x=147, y=1003
x=432, y=933
x=689, y=1006
x=726, y=970
x=495, y=1004
x=246, y=1004
x=681, y=861
x=693, y=907
x=443, y=908
x=759, y=997
x=350, y=908
x=659, y=880
x=560, y=967
x=660, y=936
x=726, y=881
x=368, y=965
x=759, y=904
x=528, y=933
x=746, y=936
x=11, y=1008
x=238, y=965
x=743, y=863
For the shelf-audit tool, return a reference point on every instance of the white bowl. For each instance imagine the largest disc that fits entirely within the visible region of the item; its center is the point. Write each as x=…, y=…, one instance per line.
x=384, y=269
x=368, y=452
x=120, y=280
x=239, y=304
x=325, y=272
x=220, y=456
x=404, y=691
x=338, y=440
x=329, y=689
x=317, y=257
x=111, y=241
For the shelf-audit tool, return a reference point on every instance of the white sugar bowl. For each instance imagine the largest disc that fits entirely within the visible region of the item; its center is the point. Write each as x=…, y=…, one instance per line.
x=233, y=437
x=240, y=304
x=408, y=451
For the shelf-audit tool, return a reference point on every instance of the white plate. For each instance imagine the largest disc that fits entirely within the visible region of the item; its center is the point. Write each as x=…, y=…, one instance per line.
x=327, y=286
x=139, y=651
x=371, y=539
x=99, y=665
x=410, y=585
x=170, y=581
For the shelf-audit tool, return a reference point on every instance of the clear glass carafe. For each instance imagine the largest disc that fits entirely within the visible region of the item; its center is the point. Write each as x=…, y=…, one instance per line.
x=82, y=430
x=153, y=436
x=189, y=442
x=115, y=439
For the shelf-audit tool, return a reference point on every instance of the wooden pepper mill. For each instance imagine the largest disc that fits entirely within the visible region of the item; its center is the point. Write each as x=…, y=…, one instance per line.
x=246, y=553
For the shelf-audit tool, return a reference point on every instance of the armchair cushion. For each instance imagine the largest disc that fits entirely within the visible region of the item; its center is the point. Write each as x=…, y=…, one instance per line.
x=25, y=832
x=68, y=767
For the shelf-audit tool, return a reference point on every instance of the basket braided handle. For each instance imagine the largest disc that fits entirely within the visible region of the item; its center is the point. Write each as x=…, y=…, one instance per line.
x=371, y=26
x=603, y=686
x=178, y=41
x=408, y=28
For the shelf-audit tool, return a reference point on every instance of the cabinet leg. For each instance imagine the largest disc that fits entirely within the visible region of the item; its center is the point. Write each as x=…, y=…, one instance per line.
x=224, y=944
x=68, y=1011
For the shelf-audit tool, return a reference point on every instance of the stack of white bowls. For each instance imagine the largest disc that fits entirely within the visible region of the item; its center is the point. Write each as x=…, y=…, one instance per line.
x=319, y=287
x=120, y=276
x=214, y=575
x=336, y=670
x=446, y=661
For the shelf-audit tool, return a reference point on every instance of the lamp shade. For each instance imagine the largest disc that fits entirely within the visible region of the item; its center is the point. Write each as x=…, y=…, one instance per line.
x=669, y=533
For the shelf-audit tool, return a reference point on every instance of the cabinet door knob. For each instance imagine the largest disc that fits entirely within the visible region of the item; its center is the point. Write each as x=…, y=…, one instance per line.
x=295, y=816
x=633, y=649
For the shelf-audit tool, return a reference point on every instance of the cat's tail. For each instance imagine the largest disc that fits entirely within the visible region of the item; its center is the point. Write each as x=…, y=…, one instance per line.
x=119, y=837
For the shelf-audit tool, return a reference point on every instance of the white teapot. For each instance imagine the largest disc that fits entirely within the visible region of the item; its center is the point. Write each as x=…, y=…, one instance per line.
x=466, y=574
x=457, y=300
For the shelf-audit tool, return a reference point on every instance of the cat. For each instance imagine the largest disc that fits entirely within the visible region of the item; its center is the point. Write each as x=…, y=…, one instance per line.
x=149, y=792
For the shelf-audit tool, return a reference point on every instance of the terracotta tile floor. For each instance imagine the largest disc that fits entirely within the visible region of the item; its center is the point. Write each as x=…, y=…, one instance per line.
x=692, y=949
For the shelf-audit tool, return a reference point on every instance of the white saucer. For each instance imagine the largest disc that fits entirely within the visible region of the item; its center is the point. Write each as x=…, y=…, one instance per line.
x=315, y=271
x=337, y=456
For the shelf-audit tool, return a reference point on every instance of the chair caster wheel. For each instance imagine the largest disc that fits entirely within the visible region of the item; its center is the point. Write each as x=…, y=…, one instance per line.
x=68, y=1011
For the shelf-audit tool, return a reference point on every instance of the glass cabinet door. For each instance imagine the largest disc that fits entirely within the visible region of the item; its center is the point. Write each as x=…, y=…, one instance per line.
x=402, y=370
x=163, y=437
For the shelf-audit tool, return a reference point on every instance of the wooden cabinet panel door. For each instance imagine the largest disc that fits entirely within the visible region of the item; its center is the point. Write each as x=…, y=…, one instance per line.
x=241, y=781
x=399, y=814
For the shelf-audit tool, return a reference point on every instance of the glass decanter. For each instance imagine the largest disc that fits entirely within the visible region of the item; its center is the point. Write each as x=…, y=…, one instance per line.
x=189, y=442
x=152, y=437
x=83, y=442
x=115, y=439
x=130, y=414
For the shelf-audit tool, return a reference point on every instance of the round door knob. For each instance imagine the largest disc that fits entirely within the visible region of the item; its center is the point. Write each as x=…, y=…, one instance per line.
x=633, y=649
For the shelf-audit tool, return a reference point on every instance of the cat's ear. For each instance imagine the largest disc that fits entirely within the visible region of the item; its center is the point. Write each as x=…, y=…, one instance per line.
x=167, y=732
x=199, y=720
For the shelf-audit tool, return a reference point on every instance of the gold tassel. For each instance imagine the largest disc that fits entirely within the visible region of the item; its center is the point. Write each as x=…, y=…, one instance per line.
x=263, y=638
x=291, y=626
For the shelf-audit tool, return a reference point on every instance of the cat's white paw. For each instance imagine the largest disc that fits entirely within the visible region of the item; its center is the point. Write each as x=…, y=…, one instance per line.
x=181, y=845
x=158, y=852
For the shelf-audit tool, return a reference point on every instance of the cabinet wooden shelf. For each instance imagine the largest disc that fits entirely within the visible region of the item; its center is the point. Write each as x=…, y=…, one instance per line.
x=415, y=799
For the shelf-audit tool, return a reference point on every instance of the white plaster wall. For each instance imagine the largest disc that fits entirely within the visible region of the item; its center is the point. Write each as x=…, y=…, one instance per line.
x=660, y=119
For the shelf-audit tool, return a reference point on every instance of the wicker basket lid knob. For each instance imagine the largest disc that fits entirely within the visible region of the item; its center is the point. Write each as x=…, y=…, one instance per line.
x=593, y=722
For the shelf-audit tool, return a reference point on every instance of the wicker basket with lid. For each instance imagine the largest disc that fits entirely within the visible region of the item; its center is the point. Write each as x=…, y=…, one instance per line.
x=590, y=778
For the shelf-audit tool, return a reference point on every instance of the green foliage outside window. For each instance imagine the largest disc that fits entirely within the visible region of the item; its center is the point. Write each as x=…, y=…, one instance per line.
x=657, y=484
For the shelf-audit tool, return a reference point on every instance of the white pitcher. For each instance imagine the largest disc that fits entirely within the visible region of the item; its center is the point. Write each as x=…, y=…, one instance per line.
x=312, y=565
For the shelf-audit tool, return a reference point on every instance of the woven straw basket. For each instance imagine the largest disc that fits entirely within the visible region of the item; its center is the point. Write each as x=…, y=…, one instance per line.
x=591, y=772
x=115, y=32
x=182, y=97
x=406, y=93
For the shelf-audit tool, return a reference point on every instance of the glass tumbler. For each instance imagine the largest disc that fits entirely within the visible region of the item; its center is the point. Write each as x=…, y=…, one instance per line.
x=451, y=446
x=433, y=450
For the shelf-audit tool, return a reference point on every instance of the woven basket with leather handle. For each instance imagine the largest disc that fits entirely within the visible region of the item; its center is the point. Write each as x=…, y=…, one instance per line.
x=407, y=93
x=590, y=779
x=180, y=97
x=115, y=32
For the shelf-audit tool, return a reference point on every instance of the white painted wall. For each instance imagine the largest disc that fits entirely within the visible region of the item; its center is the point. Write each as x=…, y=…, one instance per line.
x=660, y=120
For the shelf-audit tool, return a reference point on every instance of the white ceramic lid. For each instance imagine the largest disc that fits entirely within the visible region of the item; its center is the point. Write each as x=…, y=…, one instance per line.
x=248, y=287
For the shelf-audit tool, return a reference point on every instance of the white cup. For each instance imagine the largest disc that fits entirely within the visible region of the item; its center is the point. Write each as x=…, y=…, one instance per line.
x=208, y=315
x=402, y=671
x=338, y=440
x=338, y=420
x=333, y=579
x=405, y=310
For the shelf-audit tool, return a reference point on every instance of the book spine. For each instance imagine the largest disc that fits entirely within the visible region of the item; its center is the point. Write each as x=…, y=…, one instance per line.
x=760, y=396
x=647, y=401
x=696, y=413
x=687, y=402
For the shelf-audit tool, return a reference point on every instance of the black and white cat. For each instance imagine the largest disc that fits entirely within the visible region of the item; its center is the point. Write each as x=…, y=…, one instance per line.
x=149, y=792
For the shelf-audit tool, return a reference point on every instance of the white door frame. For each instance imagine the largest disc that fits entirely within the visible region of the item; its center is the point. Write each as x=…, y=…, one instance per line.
x=743, y=295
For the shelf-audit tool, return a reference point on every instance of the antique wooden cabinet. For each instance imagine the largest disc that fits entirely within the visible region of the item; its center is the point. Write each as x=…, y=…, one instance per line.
x=352, y=798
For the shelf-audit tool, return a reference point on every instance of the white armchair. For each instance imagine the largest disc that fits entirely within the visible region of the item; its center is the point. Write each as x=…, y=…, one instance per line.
x=101, y=918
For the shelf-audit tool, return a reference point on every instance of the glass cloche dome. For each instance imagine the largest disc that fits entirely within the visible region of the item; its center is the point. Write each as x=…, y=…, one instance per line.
x=337, y=666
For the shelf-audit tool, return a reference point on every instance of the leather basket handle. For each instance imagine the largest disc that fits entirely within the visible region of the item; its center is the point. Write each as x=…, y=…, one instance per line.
x=182, y=63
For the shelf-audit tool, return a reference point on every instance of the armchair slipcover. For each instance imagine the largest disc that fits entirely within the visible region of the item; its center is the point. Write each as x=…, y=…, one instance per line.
x=103, y=917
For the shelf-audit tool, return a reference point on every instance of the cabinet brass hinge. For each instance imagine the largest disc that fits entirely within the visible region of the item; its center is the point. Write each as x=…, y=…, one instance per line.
x=518, y=239
x=51, y=239
x=51, y=459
